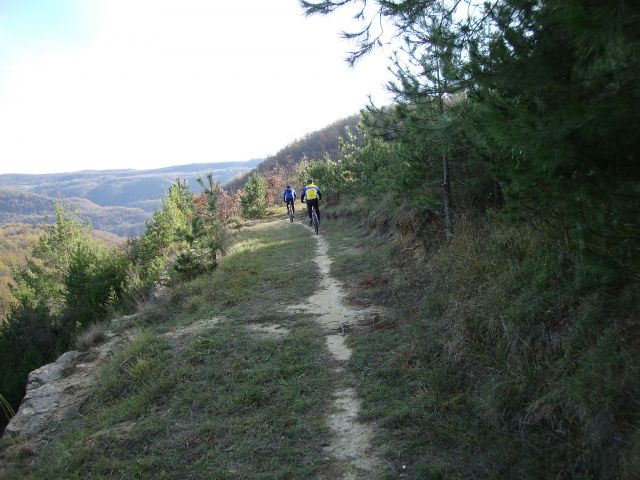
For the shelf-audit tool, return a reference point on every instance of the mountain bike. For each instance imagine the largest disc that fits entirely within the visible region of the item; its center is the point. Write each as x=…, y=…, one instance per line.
x=290, y=211
x=315, y=221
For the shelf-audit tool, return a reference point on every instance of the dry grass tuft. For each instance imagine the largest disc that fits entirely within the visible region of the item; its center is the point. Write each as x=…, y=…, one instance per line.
x=94, y=334
x=6, y=408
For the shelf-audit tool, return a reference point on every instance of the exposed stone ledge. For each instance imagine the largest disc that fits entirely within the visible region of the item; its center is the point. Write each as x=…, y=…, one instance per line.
x=56, y=391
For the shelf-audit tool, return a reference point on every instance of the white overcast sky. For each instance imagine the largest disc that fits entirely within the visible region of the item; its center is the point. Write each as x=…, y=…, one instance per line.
x=98, y=84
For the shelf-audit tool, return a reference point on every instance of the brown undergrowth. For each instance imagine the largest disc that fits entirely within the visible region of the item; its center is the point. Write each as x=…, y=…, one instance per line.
x=500, y=355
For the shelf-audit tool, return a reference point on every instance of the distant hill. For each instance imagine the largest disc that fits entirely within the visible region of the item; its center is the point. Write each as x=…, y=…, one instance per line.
x=313, y=146
x=141, y=189
x=20, y=206
x=119, y=201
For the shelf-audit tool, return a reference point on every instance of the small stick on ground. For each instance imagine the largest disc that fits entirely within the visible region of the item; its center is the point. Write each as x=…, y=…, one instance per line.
x=411, y=248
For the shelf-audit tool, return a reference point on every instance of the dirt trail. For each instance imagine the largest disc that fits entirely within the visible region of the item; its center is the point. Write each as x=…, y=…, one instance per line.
x=351, y=442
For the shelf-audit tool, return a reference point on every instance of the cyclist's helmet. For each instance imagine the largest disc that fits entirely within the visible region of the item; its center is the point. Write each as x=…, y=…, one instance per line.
x=309, y=181
x=288, y=187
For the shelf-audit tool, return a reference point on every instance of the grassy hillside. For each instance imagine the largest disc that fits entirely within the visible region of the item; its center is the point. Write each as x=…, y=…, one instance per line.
x=223, y=403
x=494, y=358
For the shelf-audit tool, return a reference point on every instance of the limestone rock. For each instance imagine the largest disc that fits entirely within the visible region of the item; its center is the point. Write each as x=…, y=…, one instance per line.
x=56, y=390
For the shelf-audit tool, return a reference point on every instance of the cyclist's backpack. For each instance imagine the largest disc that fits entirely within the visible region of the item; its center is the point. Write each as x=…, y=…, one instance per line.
x=311, y=193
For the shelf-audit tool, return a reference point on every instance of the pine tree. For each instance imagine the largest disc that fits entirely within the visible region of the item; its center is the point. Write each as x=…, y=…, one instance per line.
x=63, y=287
x=254, y=197
x=161, y=239
x=554, y=93
x=559, y=93
x=428, y=91
x=202, y=236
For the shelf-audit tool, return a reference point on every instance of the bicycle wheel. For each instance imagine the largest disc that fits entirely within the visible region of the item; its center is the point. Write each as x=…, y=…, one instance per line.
x=316, y=221
x=290, y=212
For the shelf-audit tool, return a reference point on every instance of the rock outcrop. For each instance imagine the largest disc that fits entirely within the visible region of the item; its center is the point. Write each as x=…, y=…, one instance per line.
x=54, y=394
x=56, y=391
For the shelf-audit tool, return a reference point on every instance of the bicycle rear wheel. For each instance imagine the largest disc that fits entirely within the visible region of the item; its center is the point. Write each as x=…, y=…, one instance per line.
x=315, y=221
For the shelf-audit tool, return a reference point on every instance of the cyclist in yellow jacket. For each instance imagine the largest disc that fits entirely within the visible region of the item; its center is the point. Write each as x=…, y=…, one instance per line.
x=311, y=193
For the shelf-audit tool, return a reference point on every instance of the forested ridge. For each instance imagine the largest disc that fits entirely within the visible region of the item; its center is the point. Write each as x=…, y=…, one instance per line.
x=19, y=206
x=493, y=209
x=140, y=191
x=323, y=143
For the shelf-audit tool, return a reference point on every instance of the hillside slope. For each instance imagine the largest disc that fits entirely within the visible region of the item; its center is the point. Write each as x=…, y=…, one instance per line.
x=496, y=357
x=19, y=206
x=142, y=189
x=242, y=383
x=225, y=376
x=480, y=357
x=16, y=241
x=313, y=146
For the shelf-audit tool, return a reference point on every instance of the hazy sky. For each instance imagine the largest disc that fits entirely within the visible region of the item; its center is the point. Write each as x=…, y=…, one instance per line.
x=97, y=84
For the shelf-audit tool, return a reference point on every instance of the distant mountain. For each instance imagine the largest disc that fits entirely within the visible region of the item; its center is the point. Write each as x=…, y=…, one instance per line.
x=313, y=146
x=142, y=189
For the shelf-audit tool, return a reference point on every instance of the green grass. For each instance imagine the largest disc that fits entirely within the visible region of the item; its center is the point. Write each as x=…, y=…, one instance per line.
x=222, y=403
x=499, y=357
x=268, y=266
x=227, y=405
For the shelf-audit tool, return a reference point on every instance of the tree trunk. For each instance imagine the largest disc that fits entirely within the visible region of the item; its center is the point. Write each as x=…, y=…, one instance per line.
x=446, y=185
x=446, y=194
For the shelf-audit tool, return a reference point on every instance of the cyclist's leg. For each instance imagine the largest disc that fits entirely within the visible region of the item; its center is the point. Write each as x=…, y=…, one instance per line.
x=309, y=207
x=293, y=206
x=314, y=205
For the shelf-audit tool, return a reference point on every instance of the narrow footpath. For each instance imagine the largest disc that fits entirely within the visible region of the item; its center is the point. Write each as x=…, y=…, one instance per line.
x=351, y=443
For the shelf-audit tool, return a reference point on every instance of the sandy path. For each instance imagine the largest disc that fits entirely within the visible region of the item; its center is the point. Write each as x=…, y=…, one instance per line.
x=351, y=442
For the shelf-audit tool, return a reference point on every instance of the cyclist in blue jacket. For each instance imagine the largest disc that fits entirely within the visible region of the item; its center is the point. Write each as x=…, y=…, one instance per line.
x=289, y=197
x=312, y=194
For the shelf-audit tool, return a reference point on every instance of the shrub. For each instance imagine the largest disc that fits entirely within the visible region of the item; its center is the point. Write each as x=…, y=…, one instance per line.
x=254, y=197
